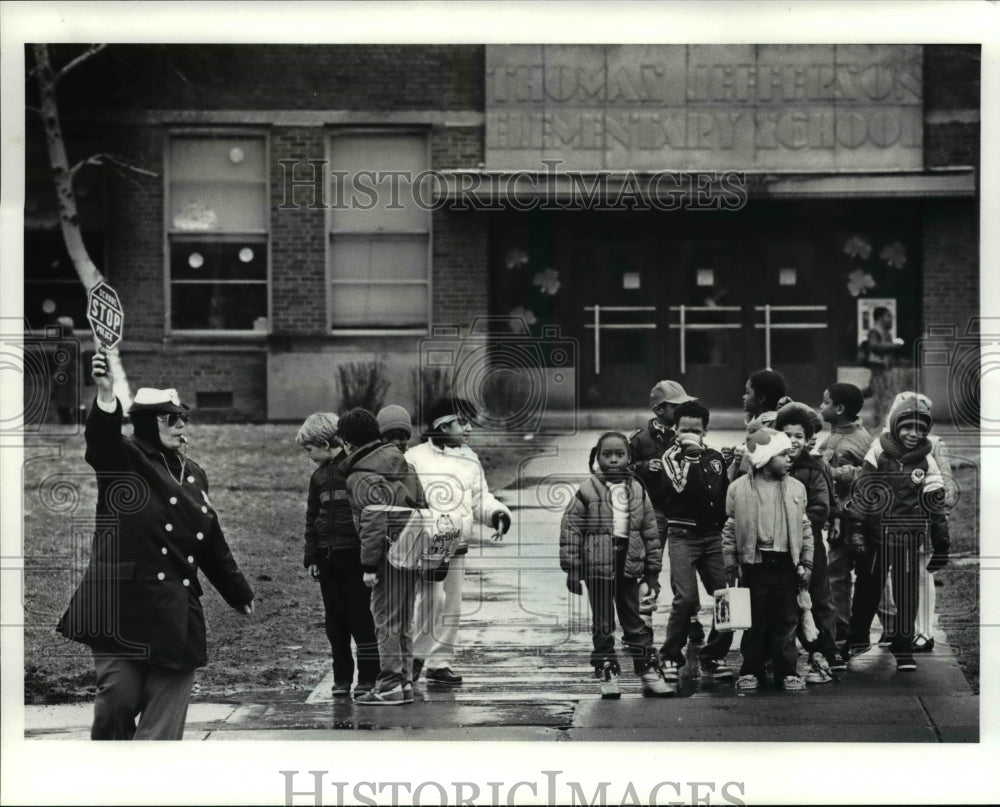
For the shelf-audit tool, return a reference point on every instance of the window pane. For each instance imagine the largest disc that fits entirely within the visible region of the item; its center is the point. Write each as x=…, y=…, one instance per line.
x=198, y=206
x=379, y=259
x=379, y=306
x=191, y=259
x=360, y=202
x=217, y=159
x=230, y=306
x=51, y=286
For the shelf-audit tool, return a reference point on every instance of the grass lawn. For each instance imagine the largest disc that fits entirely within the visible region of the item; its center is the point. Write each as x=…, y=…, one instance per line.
x=258, y=481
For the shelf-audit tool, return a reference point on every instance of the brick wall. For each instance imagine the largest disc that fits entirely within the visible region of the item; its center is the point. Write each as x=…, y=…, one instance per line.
x=460, y=276
x=951, y=263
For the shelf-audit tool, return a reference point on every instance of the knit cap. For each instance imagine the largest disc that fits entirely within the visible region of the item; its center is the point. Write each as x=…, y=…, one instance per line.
x=764, y=444
x=393, y=417
x=908, y=407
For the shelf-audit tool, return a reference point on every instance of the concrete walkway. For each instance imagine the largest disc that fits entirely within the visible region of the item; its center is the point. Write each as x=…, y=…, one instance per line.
x=524, y=659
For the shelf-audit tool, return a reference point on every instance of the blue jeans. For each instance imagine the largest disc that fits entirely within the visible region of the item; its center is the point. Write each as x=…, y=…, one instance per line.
x=692, y=552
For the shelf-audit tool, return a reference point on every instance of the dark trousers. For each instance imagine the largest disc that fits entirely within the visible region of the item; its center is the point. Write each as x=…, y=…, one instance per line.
x=774, y=615
x=347, y=603
x=824, y=614
x=839, y=567
x=127, y=689
x=621, y=593
x=693, y=552
x=901, y=562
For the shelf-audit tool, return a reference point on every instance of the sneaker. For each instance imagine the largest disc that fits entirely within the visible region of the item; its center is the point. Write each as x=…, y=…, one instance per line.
x=837, y=664
x=670, y=671
x=417, y=666
x=608, y=675
x=849, y=651
x=696, y=633
x=445, y=675
x=388, y=697
x=362, y=687
x=819, y=670
x=905, y=663
x=793, y=683
x=340, y=689
x=653, y=685
x=747, y=683
x=923, y=644
x=717, y=669
x=407, y=693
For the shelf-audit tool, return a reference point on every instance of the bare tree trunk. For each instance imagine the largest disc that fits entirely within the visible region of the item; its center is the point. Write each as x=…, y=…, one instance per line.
x=69, y=220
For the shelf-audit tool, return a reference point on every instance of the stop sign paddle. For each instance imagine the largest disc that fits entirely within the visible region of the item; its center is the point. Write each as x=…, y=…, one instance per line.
x=104, y=312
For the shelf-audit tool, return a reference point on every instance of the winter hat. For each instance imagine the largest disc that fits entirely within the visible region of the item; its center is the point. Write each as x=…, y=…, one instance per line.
x=765, y=444
x=908, y=407
x=393, y=417
x=668, y=392
x=795, y=412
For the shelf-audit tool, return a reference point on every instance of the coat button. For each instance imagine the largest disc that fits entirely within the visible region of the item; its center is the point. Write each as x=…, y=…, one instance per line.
x=169, y=527
x=161, y=576
x=164, y=550
x=186, y=582
x=204, y=509
x=191, y=559
x=190, y=479
x=200, y=536
x=173, y=500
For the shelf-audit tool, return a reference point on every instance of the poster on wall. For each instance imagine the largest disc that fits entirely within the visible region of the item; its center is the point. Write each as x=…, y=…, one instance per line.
x=866, y=315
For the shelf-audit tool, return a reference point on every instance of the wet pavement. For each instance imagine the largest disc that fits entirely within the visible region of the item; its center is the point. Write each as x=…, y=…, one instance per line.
x=524, y=659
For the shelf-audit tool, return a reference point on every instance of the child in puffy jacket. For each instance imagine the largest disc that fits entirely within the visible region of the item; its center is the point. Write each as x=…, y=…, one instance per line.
x=609, y=540
x=333, y=558
x=897, y=501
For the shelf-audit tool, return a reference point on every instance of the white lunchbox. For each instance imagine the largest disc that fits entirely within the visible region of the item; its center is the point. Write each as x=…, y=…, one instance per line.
x=732, y=608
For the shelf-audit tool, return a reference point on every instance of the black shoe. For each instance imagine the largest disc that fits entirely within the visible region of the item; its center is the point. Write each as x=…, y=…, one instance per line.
x=418, y=665
x=443, y=676
x=905, y=663
x=923, y=644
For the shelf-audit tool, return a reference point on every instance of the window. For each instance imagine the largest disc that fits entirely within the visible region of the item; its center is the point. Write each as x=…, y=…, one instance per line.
x=379, y=236
x=217, y=227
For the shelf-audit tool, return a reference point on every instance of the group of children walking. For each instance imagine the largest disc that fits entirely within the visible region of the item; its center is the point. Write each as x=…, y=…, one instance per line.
x=778, y=515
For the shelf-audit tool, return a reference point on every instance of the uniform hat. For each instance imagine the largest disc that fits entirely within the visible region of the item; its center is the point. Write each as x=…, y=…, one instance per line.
x=668, y=392
x=393, y=417
x=764, y=444
x=152, y=401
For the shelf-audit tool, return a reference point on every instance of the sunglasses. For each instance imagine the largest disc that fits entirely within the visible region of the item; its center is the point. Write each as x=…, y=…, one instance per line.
x=173, y=417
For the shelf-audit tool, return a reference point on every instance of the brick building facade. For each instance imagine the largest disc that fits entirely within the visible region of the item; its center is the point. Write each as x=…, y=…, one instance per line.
x=249, y=301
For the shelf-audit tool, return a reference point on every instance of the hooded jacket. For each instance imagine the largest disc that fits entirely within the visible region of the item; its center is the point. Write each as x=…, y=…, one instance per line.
x=330, y=530
x=377, y=474
x=900, y=494
x=586, y=537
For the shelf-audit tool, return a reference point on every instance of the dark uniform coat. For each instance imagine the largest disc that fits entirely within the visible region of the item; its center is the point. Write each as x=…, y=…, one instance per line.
x=139, y=597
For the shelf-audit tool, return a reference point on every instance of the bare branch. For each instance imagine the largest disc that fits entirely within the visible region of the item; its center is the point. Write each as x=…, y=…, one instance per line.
x=112, y=161
x=91, y=51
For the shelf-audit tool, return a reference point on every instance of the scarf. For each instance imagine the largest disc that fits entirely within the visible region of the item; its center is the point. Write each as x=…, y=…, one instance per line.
x=895, y=450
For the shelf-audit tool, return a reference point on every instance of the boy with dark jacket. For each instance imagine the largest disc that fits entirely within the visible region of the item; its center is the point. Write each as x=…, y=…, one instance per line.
x=333, y=558
x=844, y=451
x=797, y=421
x=898, y=499
x=694, y=510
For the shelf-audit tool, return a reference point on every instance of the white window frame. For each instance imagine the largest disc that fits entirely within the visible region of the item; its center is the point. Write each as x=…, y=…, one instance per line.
x=211, y=237
x=428, y=232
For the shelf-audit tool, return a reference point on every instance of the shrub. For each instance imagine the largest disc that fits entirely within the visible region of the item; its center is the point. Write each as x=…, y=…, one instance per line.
x=364, y=384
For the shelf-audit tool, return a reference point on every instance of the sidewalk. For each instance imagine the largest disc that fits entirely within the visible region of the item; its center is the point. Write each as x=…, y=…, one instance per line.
x=524, y=659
